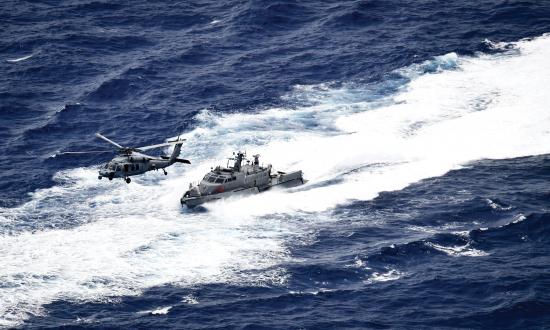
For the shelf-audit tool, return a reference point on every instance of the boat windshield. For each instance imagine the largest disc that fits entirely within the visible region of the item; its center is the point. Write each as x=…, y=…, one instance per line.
x=209, y=177
x=212, y=178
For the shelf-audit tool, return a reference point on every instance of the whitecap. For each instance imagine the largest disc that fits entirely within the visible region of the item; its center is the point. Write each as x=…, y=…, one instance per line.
x=497, y=207
x=158, y=311
x=519, y=218
x=162, y=310
x=190, y=299
x=458, y=251
x=390, y=275
x=20, y=59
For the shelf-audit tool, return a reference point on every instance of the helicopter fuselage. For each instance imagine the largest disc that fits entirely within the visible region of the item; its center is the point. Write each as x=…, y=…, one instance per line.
x=134, y=164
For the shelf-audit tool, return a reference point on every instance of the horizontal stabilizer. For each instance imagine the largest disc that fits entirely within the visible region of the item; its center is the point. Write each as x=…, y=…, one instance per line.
x=178, y=160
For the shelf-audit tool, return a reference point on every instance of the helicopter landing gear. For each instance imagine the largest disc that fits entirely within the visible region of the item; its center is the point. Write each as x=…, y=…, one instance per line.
x=99, y=177
x=165, y=173
x=111, y=176
x=128, y=180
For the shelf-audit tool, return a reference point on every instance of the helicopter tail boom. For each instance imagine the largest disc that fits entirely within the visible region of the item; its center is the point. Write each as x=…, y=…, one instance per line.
x=178, y=160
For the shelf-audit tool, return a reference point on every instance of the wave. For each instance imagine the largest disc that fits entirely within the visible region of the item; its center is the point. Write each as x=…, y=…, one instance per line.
x=460, y=250
x=20, y=59
x=497, y=206
x=390, y=275
x=108, y=239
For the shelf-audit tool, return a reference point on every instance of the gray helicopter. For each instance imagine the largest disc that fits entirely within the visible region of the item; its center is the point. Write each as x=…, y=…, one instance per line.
x=131, y=161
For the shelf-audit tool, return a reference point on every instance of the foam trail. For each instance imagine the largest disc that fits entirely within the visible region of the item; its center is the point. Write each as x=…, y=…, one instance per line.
x=98, y=239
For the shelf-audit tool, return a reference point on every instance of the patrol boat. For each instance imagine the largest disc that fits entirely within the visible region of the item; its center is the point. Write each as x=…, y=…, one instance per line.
x=249, y=178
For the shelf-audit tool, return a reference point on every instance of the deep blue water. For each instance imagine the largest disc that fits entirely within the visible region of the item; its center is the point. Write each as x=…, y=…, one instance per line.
x=460, y=248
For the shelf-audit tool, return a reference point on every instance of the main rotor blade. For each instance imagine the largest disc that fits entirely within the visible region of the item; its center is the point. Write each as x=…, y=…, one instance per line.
x=159, y=145
x=110, y=141
x=177, y=140
x=84, y=152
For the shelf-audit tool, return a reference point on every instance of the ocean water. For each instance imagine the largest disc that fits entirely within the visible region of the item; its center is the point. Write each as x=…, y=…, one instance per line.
x=422, y=127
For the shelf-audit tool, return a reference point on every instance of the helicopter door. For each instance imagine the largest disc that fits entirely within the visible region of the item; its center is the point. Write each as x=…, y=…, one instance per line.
x=125, y=167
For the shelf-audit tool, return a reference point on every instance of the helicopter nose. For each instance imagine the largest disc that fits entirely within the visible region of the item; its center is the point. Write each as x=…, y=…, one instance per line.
x=103, y=172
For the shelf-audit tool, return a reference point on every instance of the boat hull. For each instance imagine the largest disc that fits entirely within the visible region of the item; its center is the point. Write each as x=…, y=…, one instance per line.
x=286, y=180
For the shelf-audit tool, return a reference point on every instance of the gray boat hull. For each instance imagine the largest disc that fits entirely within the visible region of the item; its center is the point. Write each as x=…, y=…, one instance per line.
x=282, y=179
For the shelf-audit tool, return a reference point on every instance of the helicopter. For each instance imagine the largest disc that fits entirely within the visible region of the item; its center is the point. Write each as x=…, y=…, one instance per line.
x=131, y=161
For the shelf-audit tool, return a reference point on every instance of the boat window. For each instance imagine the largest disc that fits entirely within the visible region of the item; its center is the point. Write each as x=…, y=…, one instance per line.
x=212, y=179
x=219, y=180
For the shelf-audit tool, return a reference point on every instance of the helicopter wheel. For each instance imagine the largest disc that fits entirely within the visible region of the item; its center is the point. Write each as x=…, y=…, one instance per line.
x=128, y=180
x=99, y=177
x=165, y=173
